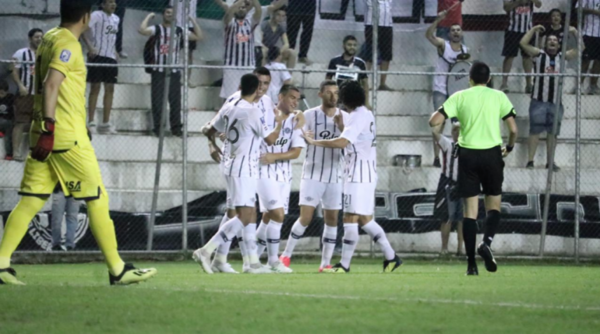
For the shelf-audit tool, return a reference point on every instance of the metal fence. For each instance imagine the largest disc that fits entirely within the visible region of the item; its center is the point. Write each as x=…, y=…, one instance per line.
x=166, y=192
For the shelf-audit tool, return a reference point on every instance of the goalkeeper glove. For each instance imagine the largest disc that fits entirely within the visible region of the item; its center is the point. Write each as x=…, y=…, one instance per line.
x=45, y=142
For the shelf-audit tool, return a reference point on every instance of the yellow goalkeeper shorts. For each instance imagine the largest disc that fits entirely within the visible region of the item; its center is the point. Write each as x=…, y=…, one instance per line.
x=76, y=170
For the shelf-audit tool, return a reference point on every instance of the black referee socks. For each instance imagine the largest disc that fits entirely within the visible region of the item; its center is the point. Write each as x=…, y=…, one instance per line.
x=470, y=234
x=491, y=224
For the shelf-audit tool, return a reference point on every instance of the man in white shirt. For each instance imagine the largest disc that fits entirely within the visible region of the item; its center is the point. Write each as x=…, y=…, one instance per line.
x=322, y=175
x=276, y=178
x=23, y=76
x=359, y=142
x=101, y=40
x=244, y=126
x=280, y=76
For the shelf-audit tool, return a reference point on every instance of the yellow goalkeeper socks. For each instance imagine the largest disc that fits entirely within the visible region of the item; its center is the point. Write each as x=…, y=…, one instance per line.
x=16, y=226
x=103, y=229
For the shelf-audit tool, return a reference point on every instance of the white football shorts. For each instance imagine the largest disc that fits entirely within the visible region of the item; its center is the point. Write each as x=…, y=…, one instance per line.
x=328, y=194
x=359, y=198
x=273, y=194
x=241, y=191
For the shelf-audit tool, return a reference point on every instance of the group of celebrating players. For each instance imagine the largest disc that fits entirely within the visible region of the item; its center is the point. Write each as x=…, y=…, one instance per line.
x=259, y=142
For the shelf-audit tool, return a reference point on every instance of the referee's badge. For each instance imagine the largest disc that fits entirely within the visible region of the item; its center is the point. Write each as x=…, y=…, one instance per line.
x=65, y=55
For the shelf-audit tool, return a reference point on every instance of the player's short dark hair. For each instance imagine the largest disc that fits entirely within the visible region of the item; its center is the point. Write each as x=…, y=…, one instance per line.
x=350, y=38
x=352, y=95
x=273, y=53
x=72, y=11
x=555, y=10
x=326, y=83
x=479, y=73
x=262, y=71
x=285, y=89
x=249, y=84
x=168, y=7
x=4, y=85
x=34, y=31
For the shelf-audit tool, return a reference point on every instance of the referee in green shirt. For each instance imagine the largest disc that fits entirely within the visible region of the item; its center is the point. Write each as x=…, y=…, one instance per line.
x=479, y=110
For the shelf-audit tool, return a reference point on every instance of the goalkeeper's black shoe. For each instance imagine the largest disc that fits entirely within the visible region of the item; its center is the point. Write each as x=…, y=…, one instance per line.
x=336, y=269
x=9, y=276
x=391, y=265
x=131, y=275
x=472, y=270
x=486, y=253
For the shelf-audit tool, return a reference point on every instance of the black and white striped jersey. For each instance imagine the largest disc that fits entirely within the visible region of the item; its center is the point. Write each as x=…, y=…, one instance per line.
x=545, y=89
x=591, y=25
x=244, y=128
x=239, y=42
x=361, y=152
x=103, y=33
x=161, y=48
x=288, y=138
x=385, y=13
x=26, y=67
x=520, y=18
x=323, y=164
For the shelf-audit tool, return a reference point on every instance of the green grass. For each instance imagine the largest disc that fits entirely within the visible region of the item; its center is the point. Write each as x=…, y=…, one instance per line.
x=422, y=297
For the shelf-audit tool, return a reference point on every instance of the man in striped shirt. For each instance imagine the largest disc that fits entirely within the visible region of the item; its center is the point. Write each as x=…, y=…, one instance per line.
x=239, y=42
x=162, y=33
x=101, y=40
x=544, y=95
x=23, y=74
x=276, y=178
x=520, y=14
x=360, y=180
x=322, y=175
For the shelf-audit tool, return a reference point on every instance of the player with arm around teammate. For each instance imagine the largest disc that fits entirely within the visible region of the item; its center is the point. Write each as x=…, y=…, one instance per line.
x=359, y=143
x=322, y=175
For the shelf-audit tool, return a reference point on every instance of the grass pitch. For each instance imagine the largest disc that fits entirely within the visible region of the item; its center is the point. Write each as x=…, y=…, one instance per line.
x=421, y=297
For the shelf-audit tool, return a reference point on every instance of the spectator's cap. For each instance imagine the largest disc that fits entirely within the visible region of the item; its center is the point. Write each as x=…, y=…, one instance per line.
x=4, y=85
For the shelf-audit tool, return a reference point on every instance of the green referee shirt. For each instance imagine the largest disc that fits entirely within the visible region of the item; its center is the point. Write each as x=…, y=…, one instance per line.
x=479, y=110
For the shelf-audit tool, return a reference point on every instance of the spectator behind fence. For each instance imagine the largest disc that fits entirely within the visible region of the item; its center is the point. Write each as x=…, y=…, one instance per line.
x=7, y=114
x=545, y=92
x=239, y=43
x=385, y=38
x=448, y=53
x=23, y=74
x=301, y=12
x=453, y=9
x=60, y=205
x=100, y=40
x=448, y=208
x=182, y=21
x=161, y=33
x=555, y=28
x=591, y=39
x=520, y=15
x=278, y=78
x=274, y=35
x=345, y=66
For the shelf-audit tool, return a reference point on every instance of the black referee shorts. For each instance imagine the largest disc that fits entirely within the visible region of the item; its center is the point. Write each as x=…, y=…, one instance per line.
x=102, y=74
x=385, y=40
x=480, y=171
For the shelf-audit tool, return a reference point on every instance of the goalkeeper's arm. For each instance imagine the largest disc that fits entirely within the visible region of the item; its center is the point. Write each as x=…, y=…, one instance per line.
x=51, y=87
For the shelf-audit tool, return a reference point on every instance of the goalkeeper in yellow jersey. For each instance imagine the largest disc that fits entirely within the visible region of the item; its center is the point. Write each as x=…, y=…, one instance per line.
x=61, y=151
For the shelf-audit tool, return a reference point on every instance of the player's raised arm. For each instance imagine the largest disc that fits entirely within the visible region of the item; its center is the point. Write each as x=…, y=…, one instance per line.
x=572, y=53
x=197, y=34
x=430, y=33
x=144, y=29
x=230, y=12
x=524, y=43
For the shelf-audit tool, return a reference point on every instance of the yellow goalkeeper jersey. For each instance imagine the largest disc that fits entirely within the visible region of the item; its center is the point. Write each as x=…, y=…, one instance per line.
x=61, y=51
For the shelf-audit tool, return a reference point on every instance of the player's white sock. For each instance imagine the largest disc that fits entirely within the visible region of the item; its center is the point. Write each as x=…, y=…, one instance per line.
x=242, y=244
x=329, y=239
x=249, y=235
x=350, y=242
x=297, y=233
x=225, y=233
x=261, y=239
x=223, y=249
x=376, y=232
x=273, y=240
